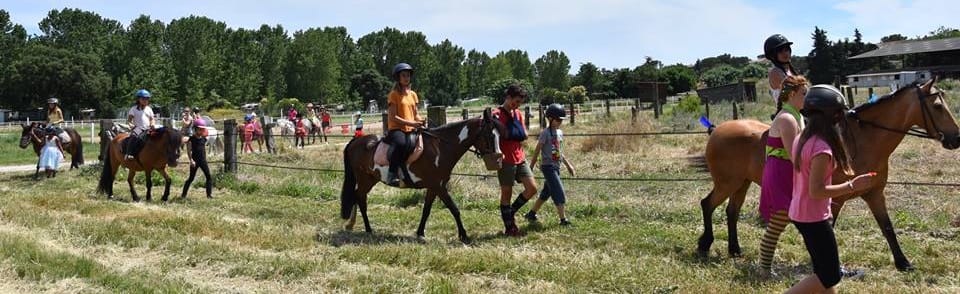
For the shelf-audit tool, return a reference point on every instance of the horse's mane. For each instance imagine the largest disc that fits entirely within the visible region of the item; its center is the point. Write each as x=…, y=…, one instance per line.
x=886, y=97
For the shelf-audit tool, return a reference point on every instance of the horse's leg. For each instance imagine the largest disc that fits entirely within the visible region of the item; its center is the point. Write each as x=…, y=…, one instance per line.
x=878, y=206
x=362, y=190
x=452, y=206
x=835, y=208
x=427, y=205
x=149, y=174
x=721, y=191
x=733, y=215
x=133, y=193
x=166, y=184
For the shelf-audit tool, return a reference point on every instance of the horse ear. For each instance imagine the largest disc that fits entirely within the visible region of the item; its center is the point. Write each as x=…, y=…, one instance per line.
x=928, y=86
x=486, y=113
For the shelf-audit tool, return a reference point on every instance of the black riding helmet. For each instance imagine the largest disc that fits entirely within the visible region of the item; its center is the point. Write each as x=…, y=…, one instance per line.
x=773, y=44
x=556, y=111
x=399, y=68
x=824, y=99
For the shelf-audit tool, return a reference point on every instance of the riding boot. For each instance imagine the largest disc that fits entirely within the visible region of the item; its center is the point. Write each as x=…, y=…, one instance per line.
x=518, y=203
x=509, y=223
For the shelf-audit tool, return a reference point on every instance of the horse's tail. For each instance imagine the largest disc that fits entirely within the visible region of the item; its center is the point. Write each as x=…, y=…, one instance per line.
x=106, y=176
x=348, y=192
x=77, y=158
x=707, y=124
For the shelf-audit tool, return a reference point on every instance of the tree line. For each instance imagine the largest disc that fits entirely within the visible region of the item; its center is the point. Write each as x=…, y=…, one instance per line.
x=94, y=62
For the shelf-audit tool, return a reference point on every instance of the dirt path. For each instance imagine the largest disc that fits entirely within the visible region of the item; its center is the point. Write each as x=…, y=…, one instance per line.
x=32, y=167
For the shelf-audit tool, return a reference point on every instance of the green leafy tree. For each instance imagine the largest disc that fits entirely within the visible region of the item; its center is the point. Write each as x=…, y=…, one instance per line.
x=589, y=77
x=821, y=59
x=313, y=69
x=370, y=85
x=475, y=73
x=721, y=75
x=446, y=77
x=553, y=70
x=680, y=78
x=43, y=72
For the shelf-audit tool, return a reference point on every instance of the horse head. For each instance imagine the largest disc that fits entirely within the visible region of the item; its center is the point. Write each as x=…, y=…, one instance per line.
x=174, y=140
x=25, y=135
x=935, y=116
x=487, y=142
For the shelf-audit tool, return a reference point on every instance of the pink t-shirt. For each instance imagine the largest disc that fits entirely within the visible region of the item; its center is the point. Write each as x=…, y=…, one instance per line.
x=803, y=208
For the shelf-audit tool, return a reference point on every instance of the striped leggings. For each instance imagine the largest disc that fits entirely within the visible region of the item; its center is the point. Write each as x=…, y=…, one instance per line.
x=768, y=245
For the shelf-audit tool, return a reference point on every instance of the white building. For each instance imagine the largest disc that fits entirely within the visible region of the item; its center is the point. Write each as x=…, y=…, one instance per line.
x=893, y=79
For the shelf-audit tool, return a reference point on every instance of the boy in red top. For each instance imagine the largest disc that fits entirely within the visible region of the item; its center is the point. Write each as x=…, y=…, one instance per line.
x=515, y=168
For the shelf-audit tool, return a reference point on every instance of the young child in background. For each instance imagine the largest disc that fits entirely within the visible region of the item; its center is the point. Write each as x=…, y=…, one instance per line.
x=550, y=146
x=52, y=152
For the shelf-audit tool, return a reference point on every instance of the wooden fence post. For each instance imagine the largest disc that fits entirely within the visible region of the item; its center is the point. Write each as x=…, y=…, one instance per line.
x=543, y=120
x=105, y=125
x=384, y=123
x=528, y=116
x=573, y=114
x=850, y=100
x=268, y=138
x=736, y=115
x=606, y=103
x=633, y=115
x=465, y=113
x=230, y=145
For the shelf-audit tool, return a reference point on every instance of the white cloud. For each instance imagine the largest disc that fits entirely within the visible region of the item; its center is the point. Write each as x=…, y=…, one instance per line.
x=879, y=18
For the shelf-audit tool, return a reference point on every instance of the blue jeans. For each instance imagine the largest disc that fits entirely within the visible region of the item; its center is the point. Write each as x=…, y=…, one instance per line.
x=552, y=187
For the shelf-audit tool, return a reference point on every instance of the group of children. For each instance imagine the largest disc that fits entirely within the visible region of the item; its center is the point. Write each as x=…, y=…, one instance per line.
x=803, y=148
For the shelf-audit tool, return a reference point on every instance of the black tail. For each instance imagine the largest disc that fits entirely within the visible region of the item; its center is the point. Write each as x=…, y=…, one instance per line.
x=77, y=159
x=106, y=177
x=348, y=195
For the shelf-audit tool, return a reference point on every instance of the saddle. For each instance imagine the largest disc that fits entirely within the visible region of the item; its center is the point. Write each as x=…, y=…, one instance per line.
x=130, y=146
x=380, y=155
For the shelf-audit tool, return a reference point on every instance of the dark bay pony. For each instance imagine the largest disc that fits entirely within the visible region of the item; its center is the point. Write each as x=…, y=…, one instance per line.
x=160, y=149
x=75, y=147
x=735, y=157
x=443, y=148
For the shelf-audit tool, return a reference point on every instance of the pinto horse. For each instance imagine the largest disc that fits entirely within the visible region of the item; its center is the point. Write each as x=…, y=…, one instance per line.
x=735, y=157
x=33, y=133
x=160, y=149
x=442, y=149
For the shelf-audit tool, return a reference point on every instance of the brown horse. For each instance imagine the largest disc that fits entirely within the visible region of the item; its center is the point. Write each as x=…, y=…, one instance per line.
x=443, y=148
x=735, y=157
x=160, y=149
x=33, y=133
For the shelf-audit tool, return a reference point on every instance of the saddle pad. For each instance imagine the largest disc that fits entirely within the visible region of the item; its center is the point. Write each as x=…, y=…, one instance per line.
x=380, y=155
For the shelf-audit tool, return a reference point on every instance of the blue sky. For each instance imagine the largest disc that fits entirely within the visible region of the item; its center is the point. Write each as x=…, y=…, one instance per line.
x=609, y=33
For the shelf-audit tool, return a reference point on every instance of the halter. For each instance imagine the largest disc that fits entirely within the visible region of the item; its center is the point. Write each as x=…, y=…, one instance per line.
x=916, y=132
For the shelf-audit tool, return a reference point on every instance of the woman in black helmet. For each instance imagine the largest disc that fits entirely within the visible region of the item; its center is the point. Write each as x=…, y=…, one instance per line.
x=777, y=49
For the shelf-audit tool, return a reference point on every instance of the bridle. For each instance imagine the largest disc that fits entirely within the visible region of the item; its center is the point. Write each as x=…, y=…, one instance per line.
x=916, y=132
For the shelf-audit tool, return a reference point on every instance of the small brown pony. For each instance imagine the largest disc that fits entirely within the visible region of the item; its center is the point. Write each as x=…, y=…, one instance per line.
x=75, y=147
x=735, y=157
x=443, y=148
x=160, y=149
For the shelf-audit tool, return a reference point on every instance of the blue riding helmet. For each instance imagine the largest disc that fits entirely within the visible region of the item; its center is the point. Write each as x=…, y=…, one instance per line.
x=143, y=93
x=248, y=117
x=401, y=67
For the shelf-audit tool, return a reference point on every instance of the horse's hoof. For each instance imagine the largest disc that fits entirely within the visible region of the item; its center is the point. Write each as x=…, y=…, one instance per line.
x=703, y=254
x=905, y=267
x=465, y=240
x=736, y=253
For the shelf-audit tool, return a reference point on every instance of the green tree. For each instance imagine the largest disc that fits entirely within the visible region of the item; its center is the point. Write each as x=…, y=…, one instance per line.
x=589, y=77
x=721, y=75
x=13, y=38
x=680, y=78
x=43, y=72
x=446, y=77
x=498, y=89
x=553, y=70
x=893, y=38
x=196, y=49
x=577, y=94
x=313, y=70
x=499, y=69
x=241, y=76
x=369, y=85
x=475, y=73
x=273, y=61
x=821, y=59
x=520, y=65
x=754, y=71
x=147, y=65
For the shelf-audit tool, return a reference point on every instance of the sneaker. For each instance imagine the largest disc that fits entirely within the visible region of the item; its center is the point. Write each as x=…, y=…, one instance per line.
x=531, y=216
x=854, y=274
x=564, y=222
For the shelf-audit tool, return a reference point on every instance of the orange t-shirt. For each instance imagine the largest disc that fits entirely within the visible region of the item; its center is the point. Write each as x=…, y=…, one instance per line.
x=406, y=108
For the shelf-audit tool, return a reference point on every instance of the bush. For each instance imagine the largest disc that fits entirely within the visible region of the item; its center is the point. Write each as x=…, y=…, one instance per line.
x=948, y=84
x=689, y=104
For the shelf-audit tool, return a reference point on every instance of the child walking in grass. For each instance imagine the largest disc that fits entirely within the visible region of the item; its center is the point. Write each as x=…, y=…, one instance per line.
x=549, y=147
